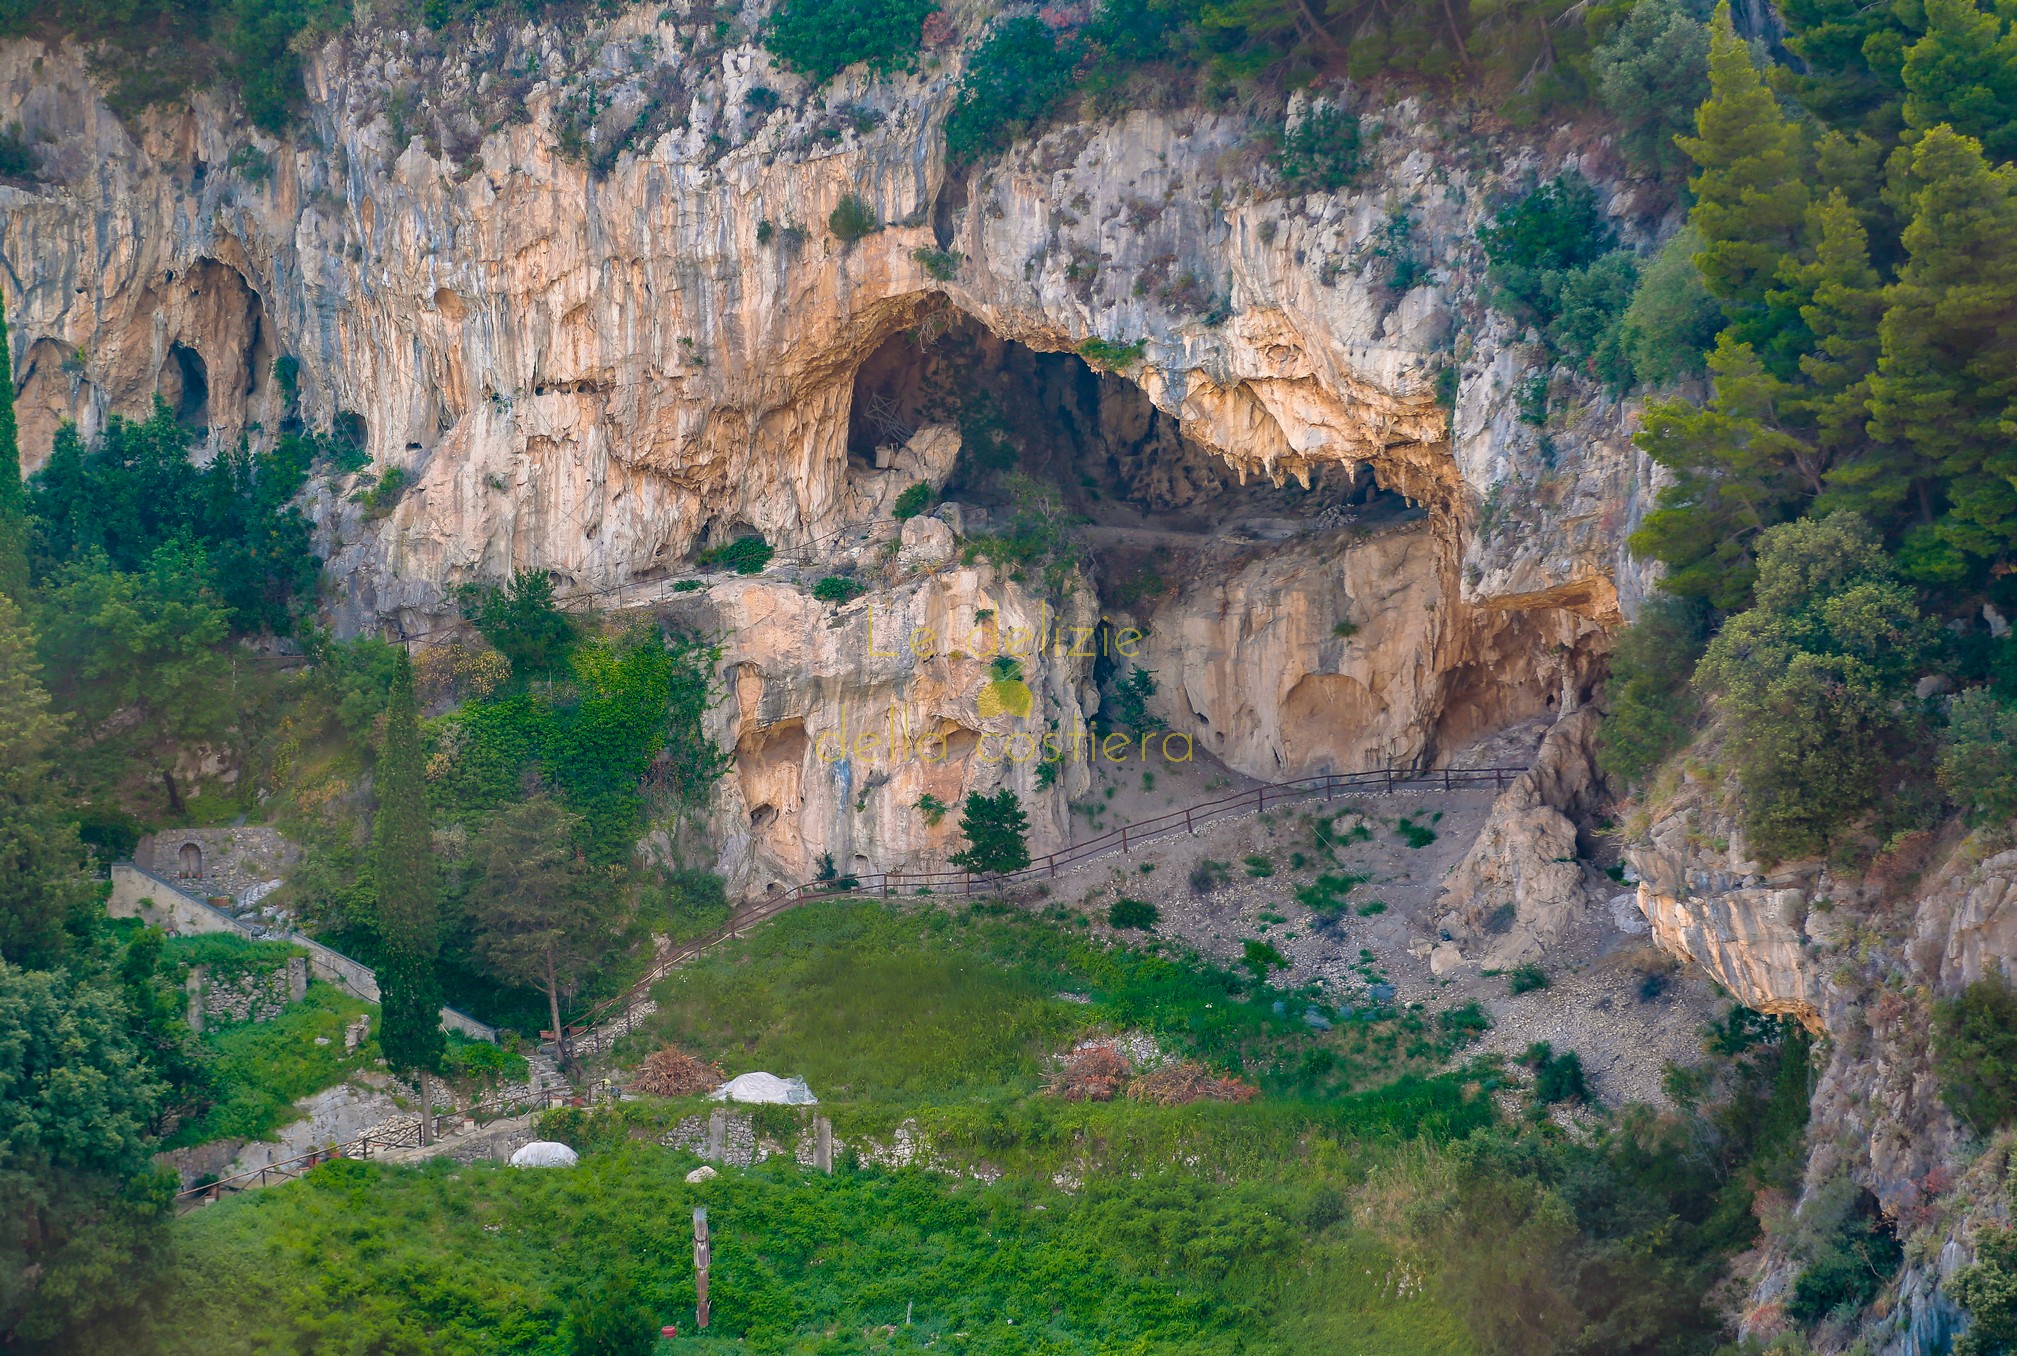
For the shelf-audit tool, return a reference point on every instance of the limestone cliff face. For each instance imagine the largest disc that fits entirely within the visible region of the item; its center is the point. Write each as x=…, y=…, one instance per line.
x=1859, y=960
x=577, y=282
x=844, y=718
x=588, y=363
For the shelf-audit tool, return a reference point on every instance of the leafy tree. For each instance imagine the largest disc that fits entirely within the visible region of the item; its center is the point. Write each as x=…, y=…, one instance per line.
x=1975, y=1053
x=821, y=38
x=82, y=1231
x=1978, y=757
x=522, y=623
x=1651, y=74
x=1672, y=320
x=1738, y=471
x=136, y=492
x=997, y=834
x=1651, y=707
x=1751, y=193
x=1845, y=300
x=1808, y=680
x=149, y=647
x=1987, y=1289
x=409, y=925
x=1962, y=74
x=545, y=918
x=43, y=886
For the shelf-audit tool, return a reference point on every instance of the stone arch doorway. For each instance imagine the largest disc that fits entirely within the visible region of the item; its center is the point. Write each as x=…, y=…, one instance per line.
x=191, y=861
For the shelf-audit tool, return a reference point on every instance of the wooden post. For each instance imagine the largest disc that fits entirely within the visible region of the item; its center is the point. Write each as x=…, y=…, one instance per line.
x=717, y=1135
x=701, y=1258
x=822, y=1144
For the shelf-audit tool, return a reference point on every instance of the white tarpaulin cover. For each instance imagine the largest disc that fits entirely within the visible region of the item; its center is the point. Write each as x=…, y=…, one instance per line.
x=544, y=1153
x=764, y=1087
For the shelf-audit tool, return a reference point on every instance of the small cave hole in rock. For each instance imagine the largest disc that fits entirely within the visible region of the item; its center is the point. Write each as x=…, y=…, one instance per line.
x=1046, y=439
x=185, y=385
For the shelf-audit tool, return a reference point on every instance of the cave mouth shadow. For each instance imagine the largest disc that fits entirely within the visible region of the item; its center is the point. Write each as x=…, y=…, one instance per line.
x=1141, y=493
x=185, y=385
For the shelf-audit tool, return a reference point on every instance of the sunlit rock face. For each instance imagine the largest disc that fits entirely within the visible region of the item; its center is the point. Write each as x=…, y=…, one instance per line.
x=593, y=345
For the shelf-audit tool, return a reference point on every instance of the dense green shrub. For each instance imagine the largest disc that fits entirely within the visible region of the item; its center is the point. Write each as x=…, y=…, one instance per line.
x=1978, y=756
x=1975, y=1053
x=913, y=501
x=1133, y=913
x=17, y=158
x=1557, y=1077
x=1650, y=703
x=744, y=555
x=1526, y=979
x=1019, y=76
x=820, y=38
x=1672, y=318
x=1852, y=1256
x=1321, y=153
x=1110, y=356
x=940, y=265
x=1533, y=242
x=1987, y=1289
x=852, y=219
x=522, y=623
x=1589, y=304
x=837, y=588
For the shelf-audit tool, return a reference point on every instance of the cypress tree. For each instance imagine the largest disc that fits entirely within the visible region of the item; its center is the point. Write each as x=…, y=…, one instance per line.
x=13, y=499
x=408, y=924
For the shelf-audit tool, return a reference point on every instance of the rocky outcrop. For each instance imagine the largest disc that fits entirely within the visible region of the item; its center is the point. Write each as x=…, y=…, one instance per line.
x=1859, y=959
x=845, y=719
x=1521, y=885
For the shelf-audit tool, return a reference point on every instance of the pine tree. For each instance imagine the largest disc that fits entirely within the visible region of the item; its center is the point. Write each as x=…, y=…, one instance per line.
x=1751, y=195
x=544, y=916
x=1963, y=73
x=1946, y=385
x=997, y=834
x=1738, y=470
x=1844, y=303
x=13, y=499
x=408, y=925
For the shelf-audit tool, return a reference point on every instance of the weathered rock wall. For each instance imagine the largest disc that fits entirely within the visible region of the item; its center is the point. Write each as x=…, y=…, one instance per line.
x=1860, y=960
x=587, y=366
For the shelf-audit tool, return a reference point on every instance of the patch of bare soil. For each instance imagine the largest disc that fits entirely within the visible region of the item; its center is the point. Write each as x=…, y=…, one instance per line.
x=1378, y=869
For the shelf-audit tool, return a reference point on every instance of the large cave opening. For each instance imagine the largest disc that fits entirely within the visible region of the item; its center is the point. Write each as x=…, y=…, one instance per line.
x=1141, y=498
